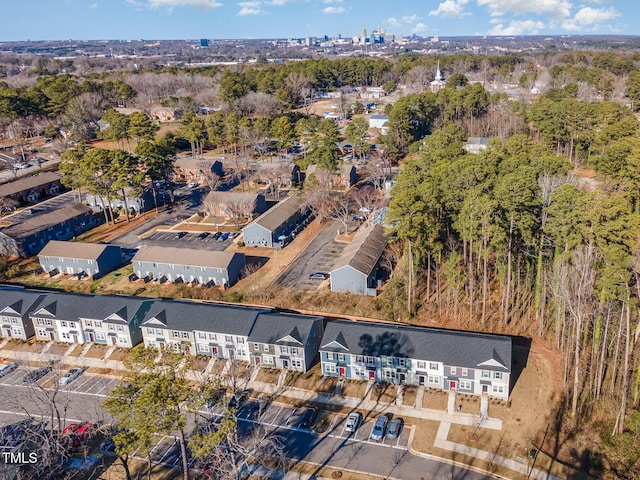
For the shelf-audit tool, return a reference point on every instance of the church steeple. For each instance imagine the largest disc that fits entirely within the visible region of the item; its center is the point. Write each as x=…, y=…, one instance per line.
x=438, y=73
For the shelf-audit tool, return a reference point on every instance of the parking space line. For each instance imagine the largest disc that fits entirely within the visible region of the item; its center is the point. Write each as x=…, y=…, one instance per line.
x=108, y=384
x=78, y=386
x=273, y=422
x=289, y=417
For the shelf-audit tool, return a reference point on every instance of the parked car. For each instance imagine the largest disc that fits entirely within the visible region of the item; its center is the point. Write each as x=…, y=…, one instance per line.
x=203, y=235
x=21, y=166
x=180, y=234
x=395, y=427
x=35, y=375
x=71, y=429
x=380, y=428
x=318, y=276
x=353, y=422
x=83, y=433
x=6, y=368
x=70, y=376
x=217, y=235
x=193, y=184
x=308, y=418
x=238, y=399
x=223, y=237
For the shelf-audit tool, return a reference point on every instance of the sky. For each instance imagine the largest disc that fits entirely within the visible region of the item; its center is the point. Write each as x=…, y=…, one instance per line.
x=232, y=19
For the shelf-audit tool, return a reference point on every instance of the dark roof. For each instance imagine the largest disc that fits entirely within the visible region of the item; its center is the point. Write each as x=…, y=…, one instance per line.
x=364, y=251
x=187, y=316
x=20, y=300
x=232, y=197
x=275, y=326
x=454, y=348
x=73, y=306
x=85, y=251
x=280, y=213
x=185, y=256
x=27, y=183
x=36, y=222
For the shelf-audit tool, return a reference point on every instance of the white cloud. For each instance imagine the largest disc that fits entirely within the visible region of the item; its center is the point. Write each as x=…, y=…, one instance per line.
x=517, y=27
x=331, y=10
x=411, y=19
x=555, y=8
x=250, y=8
x=450, y=8
x=419, y=28
x=207, y=4
x=93, y=6
x=588, y=17
x=394, y=22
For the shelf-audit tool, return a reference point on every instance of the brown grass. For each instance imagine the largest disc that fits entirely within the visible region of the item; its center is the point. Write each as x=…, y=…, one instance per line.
x=119, y=354
x=354, y=388
x=268, y=375
x=384, y=393
x=435, y=399
x=77, y=350
x=97, y=351
x=409, y=398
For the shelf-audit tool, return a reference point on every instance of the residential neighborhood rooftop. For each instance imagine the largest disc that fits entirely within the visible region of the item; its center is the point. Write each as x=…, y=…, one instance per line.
x=282, y=328
x=27, y=183
x=184, y=256
x=364, y=251
x=40, y=219
x=280, y=213
x=87, y=251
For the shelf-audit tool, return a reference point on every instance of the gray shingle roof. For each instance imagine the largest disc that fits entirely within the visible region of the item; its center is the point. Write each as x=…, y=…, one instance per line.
x=188, y=316
x=364, y=251
x=73, y=306
x=20, y=300
x=184, y=256
x=271, y=327
x=39, y=221
x=86, y=251
x=454, y=348
x=280, y=213
x=28, y=183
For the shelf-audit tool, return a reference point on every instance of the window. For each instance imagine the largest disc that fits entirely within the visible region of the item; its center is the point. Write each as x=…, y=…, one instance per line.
x=359, y=371
x=389, y=375
x=111, y=327
x=486, y=374
x=185, y=335
x=228, y=338
x=497, y=389
x=453, y=370
x=267, y=360
x=371, y=360
x=100, y=336
x=421, y=365
x=42, y=332
x=98, y=324
x=284, y=349
x=402, y=362
x=265, y=347
x=72, y=324
x=123, y=340
x=433, y=366
x=203, y=347
x=330, y=368
x=433, y=379
x=202, y=335
x=239, y=340
x=40, y=321
x=17, y=331
x=120, y=328
x=464, y=385
x=152, y=343
x=256, y=347
x=297, y=363
x=359, y=359
x=497, y=375
x=63, y=323
x=341, y=357
x=175, y=333
x=66, y=336
x=330, y=356
x=465, y=372
x=14, y=321
x=88, y=323
x=49, y=322
x=213, y=336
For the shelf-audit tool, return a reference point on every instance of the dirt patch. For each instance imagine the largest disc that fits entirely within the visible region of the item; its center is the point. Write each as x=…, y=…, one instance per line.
x=199, y=363
x=119, y=354
x=30, y=345
x=77, y=350
x=409, y=397
x=96, y=351
x=268, y=375
x=384, y=393
x=58, y=348
x=435, y=399
x=353, y=388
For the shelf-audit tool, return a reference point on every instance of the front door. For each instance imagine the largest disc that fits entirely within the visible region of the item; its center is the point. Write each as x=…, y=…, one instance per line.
x=420, y=379
x=452, y=384
x=402, y=377
x=258, y=360
x=215, y=351
x=343, y=371
x=372, y=375
x=485, y=388
x=285, y=363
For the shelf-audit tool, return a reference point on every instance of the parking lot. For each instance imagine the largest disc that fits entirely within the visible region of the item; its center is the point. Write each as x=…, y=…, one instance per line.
x=319, y=257
x=85, y=384
x=189, y=240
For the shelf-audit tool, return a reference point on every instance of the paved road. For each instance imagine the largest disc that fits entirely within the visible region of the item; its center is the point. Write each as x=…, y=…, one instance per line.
x=319, y=256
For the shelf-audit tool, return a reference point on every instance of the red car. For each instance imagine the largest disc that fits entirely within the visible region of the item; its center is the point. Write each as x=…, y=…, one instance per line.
x=82, y=433
x=71, y=428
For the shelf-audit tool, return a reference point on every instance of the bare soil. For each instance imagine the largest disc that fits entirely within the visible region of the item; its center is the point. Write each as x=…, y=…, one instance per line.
x=384, y=393
x=77, y=350
x=119, y=354
x=409, y=395
x=96, y=351
x=58, y=348
x=435, y=399
x=268, y=375
x=352, y=388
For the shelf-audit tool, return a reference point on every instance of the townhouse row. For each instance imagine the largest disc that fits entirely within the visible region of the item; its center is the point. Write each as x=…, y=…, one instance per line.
x=468, y=362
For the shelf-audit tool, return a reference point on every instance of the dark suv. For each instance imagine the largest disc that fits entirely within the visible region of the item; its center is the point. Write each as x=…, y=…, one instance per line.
x=309, y=418
x=35, y=375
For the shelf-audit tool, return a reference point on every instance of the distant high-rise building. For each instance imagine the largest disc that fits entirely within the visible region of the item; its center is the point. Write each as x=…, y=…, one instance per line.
x=377, y=35
x=204, y=42
x=389, y=38
x=363, y=35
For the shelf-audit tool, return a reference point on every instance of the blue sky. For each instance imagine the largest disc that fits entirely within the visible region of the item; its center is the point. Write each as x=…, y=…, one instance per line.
x=214, y=19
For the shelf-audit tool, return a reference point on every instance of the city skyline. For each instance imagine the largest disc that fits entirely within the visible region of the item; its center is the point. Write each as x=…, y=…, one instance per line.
x=219, y=19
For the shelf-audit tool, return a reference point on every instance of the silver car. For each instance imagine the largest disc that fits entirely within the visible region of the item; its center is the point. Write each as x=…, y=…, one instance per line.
x=6, y=368
x=70, y=376
x=353, y=422
x=380, y=428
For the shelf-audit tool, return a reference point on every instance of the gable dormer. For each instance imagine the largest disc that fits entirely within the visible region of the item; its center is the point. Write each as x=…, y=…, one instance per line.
x=13, y=309
x=292, y=337
x=495, y=361
x=339, y=343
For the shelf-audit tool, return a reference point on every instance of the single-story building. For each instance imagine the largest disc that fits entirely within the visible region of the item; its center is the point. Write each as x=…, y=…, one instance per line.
x=274, y=227
x=285, y=340
x=205, y=267
x=468, y=362
x=378, y=121
x=31, y=229
x=197, y=169
x=73, y=258
x=355, y=269
x=32, y=189
x=236, y=205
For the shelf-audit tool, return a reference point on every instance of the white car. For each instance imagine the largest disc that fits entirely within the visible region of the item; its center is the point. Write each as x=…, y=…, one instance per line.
x=7, y=368
x=353, y=422
x=70, y=376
